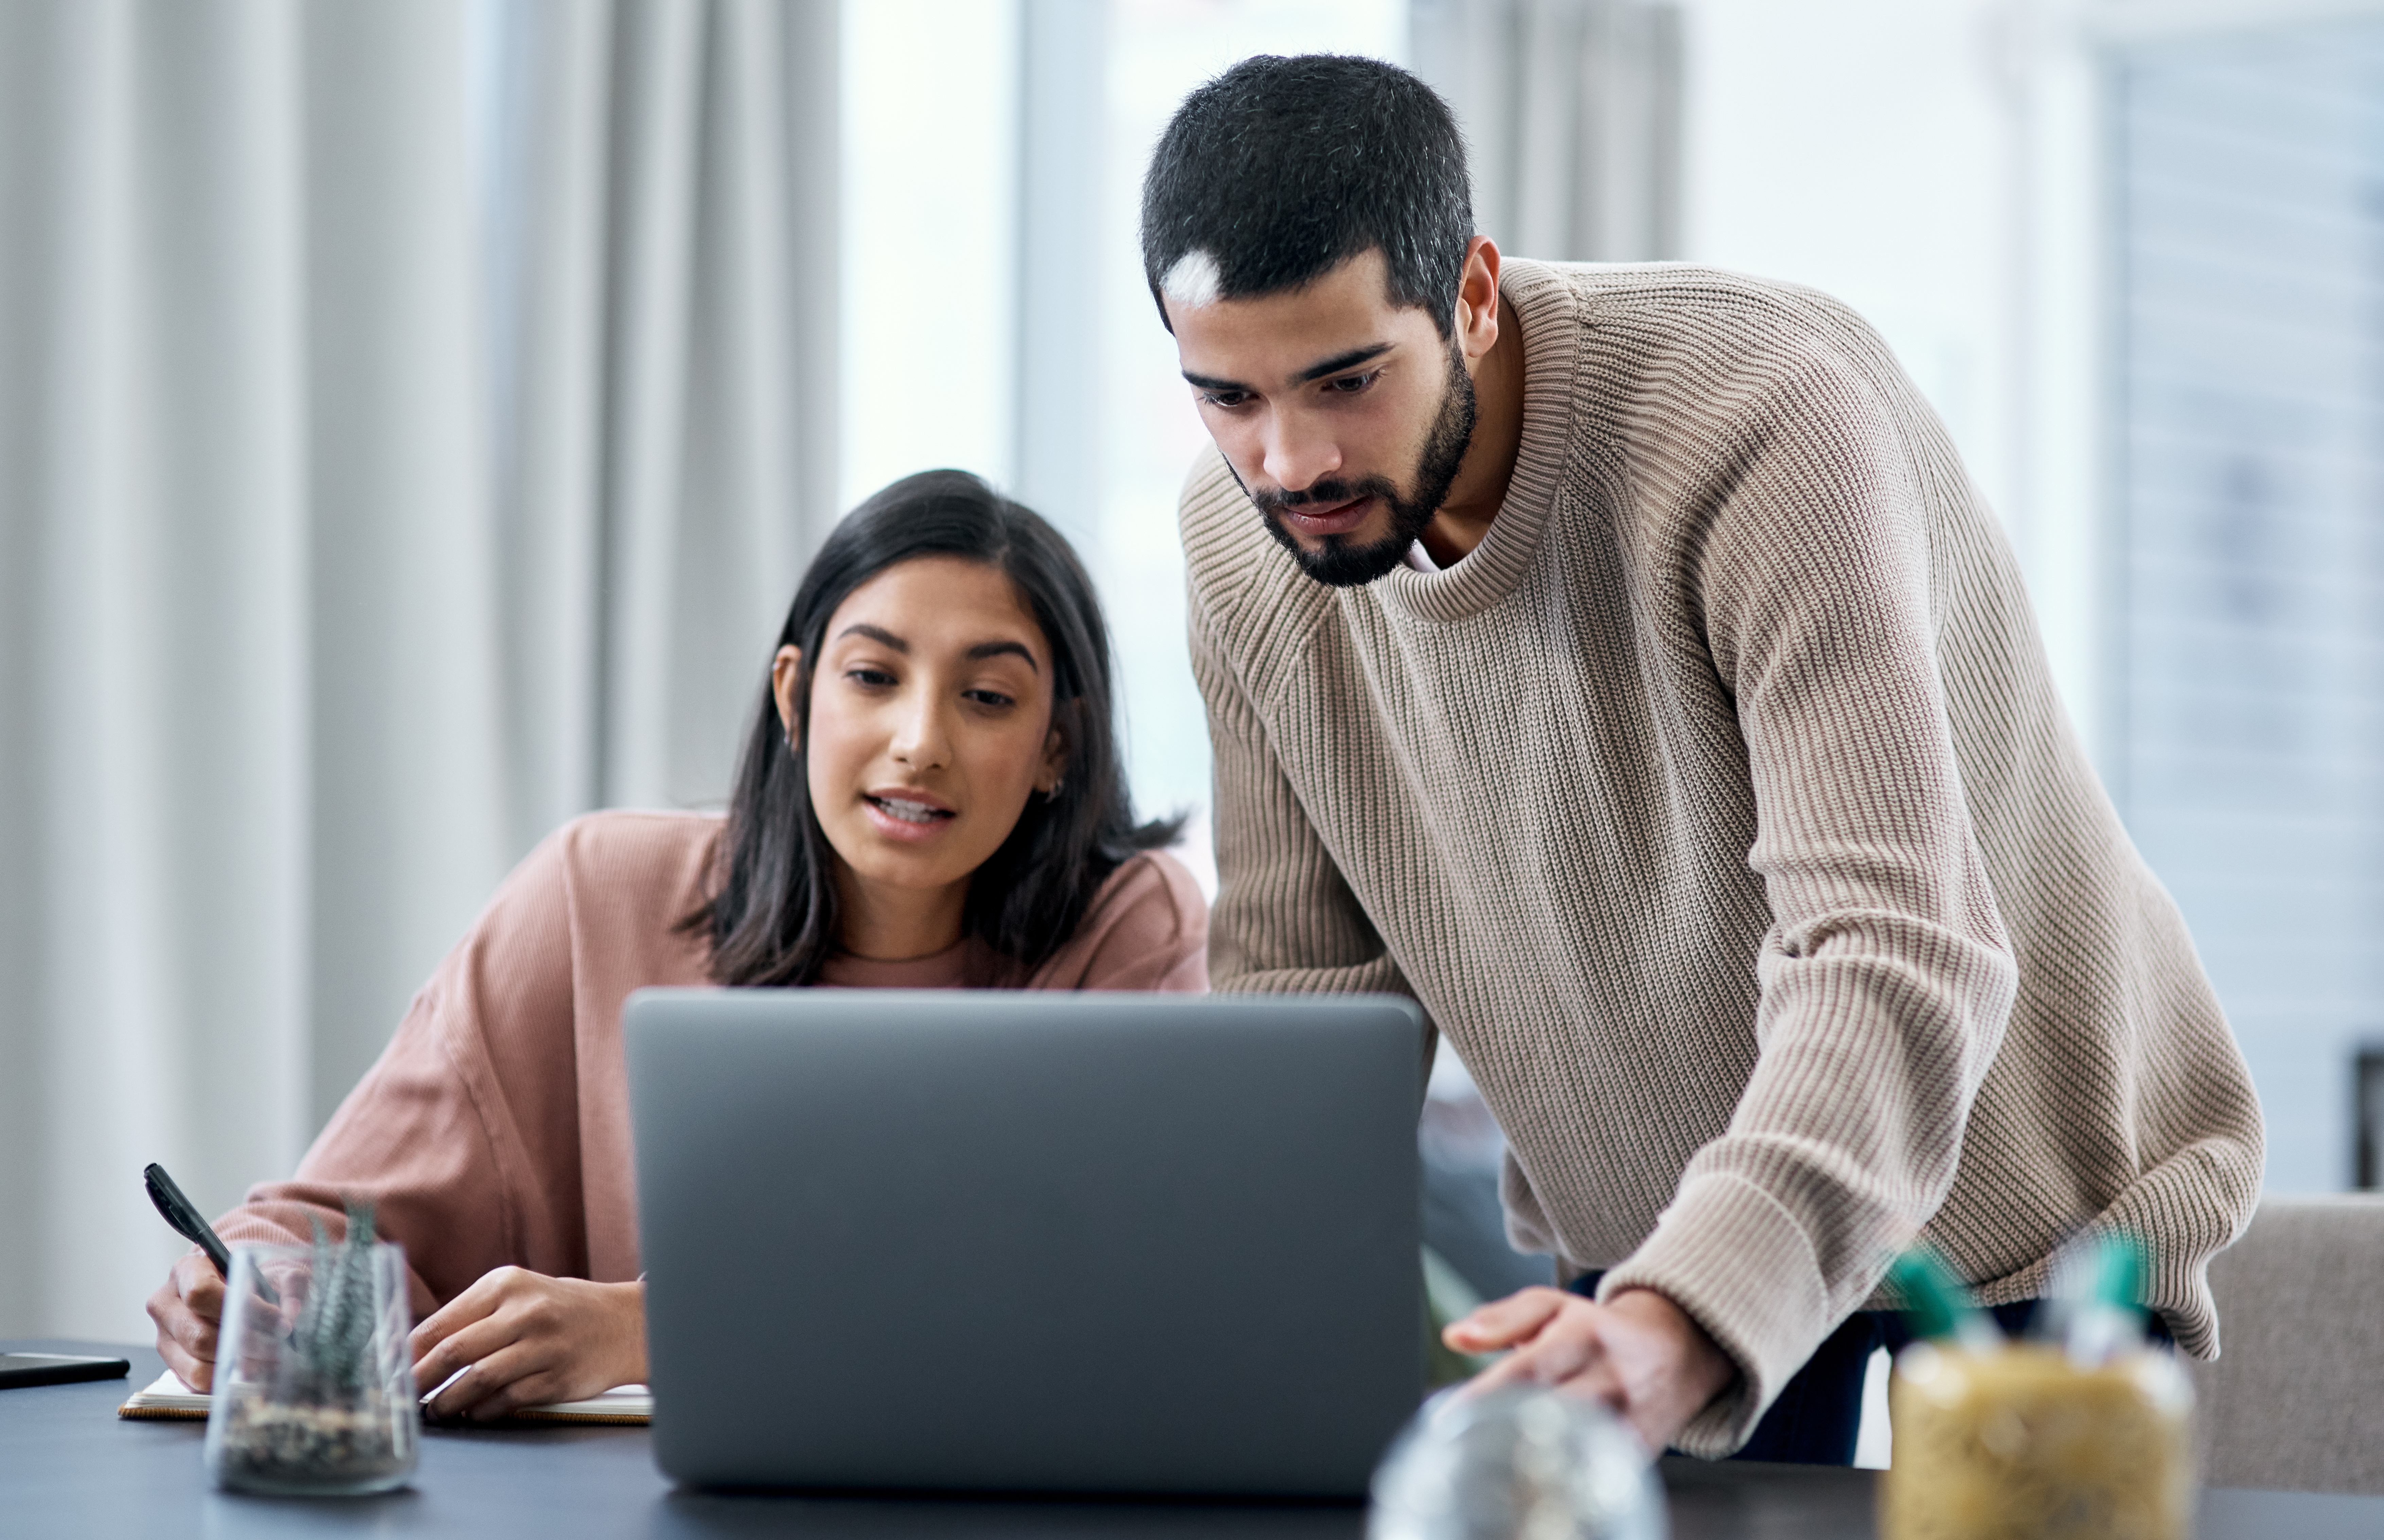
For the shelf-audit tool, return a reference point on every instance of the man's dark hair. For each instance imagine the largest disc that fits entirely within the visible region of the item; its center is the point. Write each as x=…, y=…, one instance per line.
x=774, y=919
x=1281, y=169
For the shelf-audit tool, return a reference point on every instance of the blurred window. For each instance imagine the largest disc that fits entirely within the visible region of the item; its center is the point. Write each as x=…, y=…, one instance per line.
x=2248, y=620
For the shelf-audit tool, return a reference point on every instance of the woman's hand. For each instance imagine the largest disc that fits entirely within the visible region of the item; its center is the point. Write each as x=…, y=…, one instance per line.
x=529, y=1340
x=1640, y=1356
x=188, y=1306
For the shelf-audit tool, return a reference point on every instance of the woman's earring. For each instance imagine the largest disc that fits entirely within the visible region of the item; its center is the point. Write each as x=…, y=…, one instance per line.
x=1054, y=793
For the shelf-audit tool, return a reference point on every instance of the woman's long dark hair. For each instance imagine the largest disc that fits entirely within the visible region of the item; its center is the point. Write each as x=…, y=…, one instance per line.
x=774, y=920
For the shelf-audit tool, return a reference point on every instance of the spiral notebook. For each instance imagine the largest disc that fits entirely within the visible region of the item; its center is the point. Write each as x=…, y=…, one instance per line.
x=167, y=1398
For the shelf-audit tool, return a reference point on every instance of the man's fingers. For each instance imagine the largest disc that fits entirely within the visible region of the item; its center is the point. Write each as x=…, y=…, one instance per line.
x=1563, y=1353
x=1504, y=1323
x=1558, y=1356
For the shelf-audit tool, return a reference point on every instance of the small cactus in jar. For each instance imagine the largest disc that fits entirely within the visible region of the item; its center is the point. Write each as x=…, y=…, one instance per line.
x=331, y=1341
x=323, y=1401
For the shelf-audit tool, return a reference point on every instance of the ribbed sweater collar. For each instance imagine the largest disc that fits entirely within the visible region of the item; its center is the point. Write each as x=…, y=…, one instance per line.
x=1547, y=308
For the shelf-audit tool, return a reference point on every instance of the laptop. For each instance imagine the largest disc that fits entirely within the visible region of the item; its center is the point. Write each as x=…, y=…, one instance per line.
x=1027, y=1241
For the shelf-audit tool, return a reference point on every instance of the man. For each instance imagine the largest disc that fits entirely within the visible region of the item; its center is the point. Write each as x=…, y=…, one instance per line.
x=1617, y=659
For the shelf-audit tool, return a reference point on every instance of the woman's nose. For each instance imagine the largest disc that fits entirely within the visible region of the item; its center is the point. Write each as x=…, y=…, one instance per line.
x=921, y=739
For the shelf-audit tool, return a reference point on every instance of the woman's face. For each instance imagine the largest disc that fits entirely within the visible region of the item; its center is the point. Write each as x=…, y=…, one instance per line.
x=931, y=722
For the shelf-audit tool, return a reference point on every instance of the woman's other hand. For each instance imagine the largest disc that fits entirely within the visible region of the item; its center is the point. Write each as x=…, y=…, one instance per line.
x=188, y=1306
x=530, y=1340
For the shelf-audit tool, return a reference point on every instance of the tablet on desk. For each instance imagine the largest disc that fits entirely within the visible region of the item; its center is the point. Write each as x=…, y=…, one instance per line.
x=24, y=1369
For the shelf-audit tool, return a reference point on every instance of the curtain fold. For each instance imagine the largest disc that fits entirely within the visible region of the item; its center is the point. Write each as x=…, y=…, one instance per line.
x=1572, y=111
x=411, y=427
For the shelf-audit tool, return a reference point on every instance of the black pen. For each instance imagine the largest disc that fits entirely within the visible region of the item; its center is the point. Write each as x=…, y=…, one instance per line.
x=177, y=1211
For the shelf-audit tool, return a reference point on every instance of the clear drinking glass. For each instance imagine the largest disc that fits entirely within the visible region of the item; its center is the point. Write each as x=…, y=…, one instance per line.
x=1522, y=1464
x=314, y=1388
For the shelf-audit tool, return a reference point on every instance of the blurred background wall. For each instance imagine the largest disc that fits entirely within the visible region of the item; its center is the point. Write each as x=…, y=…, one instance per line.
x=413, y=414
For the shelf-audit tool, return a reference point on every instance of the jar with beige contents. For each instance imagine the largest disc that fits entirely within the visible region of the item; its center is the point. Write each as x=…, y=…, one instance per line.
x=2085, y=1431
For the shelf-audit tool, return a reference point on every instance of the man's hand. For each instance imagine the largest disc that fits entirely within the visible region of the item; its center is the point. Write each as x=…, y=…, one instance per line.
x=188, y=1306
x=529, y=1340
x=1641, y=1357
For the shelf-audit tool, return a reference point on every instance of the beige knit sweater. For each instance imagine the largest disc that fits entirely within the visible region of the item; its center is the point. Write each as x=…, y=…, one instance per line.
x=1720, y=809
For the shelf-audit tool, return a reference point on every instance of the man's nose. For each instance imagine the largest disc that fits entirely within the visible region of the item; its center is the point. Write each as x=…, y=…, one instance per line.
x=1299, y=451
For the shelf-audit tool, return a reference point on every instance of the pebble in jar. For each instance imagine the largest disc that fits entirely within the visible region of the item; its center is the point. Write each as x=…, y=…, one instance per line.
x=2086, y=1431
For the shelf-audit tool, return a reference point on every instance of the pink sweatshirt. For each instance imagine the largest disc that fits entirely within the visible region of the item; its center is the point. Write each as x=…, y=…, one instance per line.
x=494, y=1130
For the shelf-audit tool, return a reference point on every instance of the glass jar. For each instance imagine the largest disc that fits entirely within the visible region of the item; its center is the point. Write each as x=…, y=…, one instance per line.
x=313, y=1390
x=1516, y=1464
x=2021, y=1442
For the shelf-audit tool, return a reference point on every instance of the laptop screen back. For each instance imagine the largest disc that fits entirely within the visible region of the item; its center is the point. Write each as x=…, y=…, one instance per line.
x=1028, y=1241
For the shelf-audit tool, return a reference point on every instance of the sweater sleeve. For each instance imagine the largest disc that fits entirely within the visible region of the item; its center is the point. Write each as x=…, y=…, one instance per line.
x=1886, y=978
x=1285, y=921
x=460, y=1161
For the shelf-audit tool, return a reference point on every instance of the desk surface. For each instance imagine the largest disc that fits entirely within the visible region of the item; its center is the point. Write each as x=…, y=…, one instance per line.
x=68, y=1466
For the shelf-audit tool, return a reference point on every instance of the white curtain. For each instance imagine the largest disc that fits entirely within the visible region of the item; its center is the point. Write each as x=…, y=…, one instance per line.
x=413, y=418
x=1572, y=111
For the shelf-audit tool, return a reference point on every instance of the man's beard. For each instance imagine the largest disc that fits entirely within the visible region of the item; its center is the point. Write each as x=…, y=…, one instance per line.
x=1346, y=564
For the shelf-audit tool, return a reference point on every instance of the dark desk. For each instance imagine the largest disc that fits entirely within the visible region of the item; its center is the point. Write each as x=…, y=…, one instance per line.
x=68, y=1467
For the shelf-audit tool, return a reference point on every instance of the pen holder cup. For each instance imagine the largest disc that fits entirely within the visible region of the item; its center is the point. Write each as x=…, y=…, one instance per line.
x=313, y=1391
x=2021, y=1442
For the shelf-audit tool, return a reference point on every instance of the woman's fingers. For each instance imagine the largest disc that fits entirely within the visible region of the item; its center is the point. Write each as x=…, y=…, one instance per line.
x=488, y=1375
x=472, y=1343
x=186, y=1308
x=1504, y=1323
x=197, y=1375
x=489, y=1387
x=520, y=1338
x=475, y=1304
x=194, y=1334
x=173, y=1318
x=525, y=1375
x=202, y=1286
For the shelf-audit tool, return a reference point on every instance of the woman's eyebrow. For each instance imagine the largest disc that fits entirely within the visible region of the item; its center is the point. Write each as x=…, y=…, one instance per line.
x=875, y=633
x=996, y=649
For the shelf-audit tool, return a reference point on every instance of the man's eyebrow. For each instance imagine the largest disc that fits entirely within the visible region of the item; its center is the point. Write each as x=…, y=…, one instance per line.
x=1333, y=365
x=1349, y=360
x=996, y=649
x=875, y=633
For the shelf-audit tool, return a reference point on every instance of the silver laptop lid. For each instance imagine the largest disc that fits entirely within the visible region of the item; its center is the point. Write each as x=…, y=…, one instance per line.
x=1029, y=1241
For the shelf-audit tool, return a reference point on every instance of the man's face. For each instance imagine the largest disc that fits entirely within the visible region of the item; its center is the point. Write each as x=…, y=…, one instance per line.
x=1343, y=417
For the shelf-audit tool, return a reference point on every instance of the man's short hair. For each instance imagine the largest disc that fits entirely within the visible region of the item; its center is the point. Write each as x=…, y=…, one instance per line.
x=1281, y=169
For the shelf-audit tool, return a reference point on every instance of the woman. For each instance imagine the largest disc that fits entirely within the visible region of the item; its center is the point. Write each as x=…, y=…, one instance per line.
x=929, y=797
